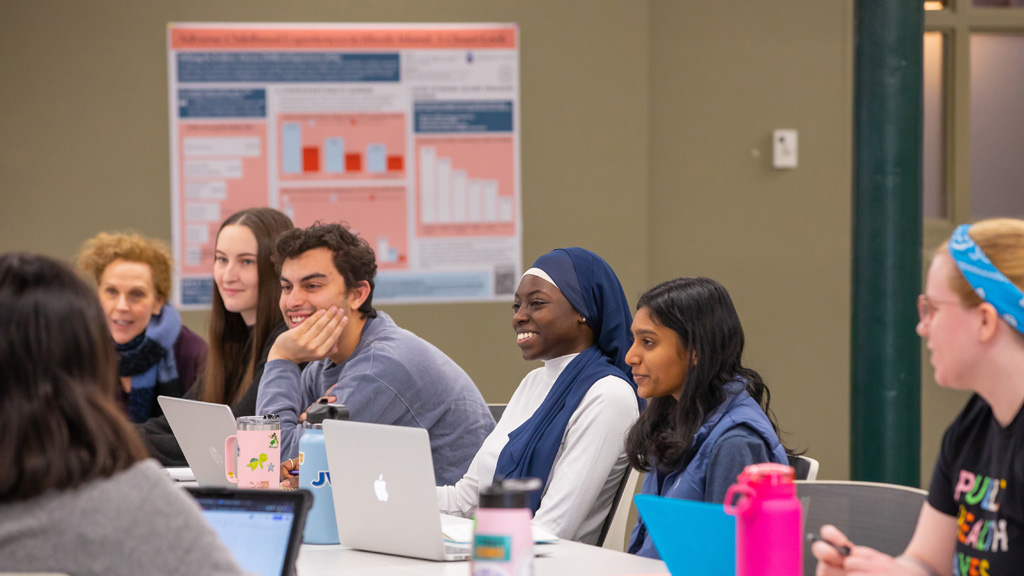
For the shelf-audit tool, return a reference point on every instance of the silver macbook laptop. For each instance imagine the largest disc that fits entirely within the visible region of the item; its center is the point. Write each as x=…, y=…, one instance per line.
x=382, y=478
x=201, y=428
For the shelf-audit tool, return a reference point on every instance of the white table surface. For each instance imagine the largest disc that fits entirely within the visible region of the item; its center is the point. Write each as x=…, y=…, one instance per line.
x=565, y=558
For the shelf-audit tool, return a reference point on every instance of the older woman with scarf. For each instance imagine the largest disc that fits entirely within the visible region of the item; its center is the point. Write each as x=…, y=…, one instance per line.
x=566, y=422
x=157, y=355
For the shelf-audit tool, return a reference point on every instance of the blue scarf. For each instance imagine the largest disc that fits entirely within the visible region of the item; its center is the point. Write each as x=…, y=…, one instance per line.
x=150, y=359
x=590, y=285
x=988, y=282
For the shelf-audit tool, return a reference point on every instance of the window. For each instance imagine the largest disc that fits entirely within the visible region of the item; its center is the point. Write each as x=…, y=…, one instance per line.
x=997, y=125
x=934, y=129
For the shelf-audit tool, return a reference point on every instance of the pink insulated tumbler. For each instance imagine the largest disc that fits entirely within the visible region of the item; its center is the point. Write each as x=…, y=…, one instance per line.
x=252, y=457
x=503, y=536
x=769, y=521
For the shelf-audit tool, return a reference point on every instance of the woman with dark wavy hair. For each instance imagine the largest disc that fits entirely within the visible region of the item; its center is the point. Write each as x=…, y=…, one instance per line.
x=708, y=415
x=76, y=493
x=245, y=320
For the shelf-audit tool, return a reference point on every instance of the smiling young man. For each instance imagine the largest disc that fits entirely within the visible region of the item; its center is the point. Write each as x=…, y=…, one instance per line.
x=382, y=373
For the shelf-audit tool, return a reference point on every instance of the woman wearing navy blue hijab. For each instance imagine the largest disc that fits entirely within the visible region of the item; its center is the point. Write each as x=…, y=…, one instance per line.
x=566, y=422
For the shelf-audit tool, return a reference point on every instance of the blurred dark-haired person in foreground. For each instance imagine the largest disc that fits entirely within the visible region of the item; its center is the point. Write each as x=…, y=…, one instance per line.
x=76, y=492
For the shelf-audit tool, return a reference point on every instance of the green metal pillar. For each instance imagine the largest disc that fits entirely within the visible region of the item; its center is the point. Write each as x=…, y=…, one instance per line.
x=885, y=431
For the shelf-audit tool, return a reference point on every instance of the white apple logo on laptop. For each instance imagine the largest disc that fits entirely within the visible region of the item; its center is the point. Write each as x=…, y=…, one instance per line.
x=380, y=488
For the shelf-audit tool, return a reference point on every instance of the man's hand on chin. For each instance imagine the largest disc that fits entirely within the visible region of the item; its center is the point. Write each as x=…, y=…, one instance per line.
x=314, y=339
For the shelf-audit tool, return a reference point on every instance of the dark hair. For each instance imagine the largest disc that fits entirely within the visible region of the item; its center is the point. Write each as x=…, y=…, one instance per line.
x=58, y=374
x=701, y=312
x=233, y=348
x=353, y=257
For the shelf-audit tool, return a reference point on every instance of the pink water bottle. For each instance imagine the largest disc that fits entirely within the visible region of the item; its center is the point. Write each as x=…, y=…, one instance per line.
x=769, y=521
x=502, y=535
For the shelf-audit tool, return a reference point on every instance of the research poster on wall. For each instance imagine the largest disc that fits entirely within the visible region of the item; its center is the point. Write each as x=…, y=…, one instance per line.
x=409, y=133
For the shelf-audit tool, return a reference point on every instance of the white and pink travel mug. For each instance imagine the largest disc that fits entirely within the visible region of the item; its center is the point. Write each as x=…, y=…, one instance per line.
x=252, y=457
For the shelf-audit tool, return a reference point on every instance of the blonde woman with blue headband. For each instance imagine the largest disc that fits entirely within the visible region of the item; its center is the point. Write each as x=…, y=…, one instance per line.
x=972, y=318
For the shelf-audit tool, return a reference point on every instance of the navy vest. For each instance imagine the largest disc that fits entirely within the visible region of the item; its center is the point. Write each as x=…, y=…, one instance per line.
x=688, y=482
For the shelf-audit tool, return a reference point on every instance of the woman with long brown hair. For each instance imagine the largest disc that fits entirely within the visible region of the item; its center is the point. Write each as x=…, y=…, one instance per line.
x=244, y=322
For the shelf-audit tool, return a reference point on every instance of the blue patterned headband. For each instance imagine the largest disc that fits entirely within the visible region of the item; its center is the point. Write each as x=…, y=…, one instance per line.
x=988, y=282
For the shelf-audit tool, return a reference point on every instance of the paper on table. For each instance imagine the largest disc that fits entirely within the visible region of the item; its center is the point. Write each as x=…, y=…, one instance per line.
x=691, y=537
x=463, y=534
x=180, y=474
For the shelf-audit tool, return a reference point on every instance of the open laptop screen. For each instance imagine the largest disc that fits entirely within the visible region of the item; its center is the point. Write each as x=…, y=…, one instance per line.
x=262, y=528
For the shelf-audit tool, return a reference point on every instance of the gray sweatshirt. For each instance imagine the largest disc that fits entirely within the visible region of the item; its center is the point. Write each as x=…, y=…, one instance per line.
x=135, y=522
x=392, y=377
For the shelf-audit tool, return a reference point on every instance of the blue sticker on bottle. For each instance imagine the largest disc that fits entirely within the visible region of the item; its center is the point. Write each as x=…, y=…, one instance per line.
x=489, y=548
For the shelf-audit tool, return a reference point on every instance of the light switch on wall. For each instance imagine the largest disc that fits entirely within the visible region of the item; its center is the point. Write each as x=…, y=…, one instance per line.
x=784, y=149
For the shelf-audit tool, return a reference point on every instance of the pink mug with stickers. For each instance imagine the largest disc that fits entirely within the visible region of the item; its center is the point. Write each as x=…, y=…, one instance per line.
x=252, y=457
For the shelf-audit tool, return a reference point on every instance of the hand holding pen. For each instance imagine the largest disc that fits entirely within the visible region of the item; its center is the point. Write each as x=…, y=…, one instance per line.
x=842, y=550
x=837, y=556
x=831, y=548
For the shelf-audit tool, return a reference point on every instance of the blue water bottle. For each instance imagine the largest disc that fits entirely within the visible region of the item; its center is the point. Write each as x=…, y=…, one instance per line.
x=314, y=475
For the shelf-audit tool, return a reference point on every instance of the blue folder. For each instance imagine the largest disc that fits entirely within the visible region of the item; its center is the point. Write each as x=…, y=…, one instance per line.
x=691, y=537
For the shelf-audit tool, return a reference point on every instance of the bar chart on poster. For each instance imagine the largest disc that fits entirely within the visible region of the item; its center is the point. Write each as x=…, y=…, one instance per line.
x=342, y=146
x=369, y=211
x=406, y=133
x=465, y=186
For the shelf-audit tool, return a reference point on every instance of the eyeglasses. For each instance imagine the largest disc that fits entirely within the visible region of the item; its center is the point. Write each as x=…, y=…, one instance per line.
x=926, y=306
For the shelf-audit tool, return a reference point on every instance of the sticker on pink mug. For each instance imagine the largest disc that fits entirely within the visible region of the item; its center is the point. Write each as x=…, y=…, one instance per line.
x=258, y=448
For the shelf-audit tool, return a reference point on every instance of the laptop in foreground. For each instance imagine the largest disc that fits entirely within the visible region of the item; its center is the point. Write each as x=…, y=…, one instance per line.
x=382, y=479
x=262, y=528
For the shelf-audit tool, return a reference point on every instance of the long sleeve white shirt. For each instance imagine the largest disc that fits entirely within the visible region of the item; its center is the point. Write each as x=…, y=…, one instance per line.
x=588, y=467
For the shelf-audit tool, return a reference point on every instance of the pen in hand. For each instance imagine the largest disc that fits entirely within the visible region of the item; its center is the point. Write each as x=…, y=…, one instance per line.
x=843, y=550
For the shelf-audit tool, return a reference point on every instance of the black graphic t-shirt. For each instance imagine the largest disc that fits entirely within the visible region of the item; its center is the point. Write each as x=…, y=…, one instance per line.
x=979, y=480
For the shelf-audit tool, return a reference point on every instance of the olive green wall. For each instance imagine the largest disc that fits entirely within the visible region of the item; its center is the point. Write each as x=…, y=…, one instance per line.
x=722, y=79
x=84, y=142
x=645, y=137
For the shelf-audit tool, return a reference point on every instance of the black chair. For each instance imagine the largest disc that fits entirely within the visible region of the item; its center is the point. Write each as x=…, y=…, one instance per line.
x=497, y=410
x=805, y=466
x=882, y=516
x=613, y=533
